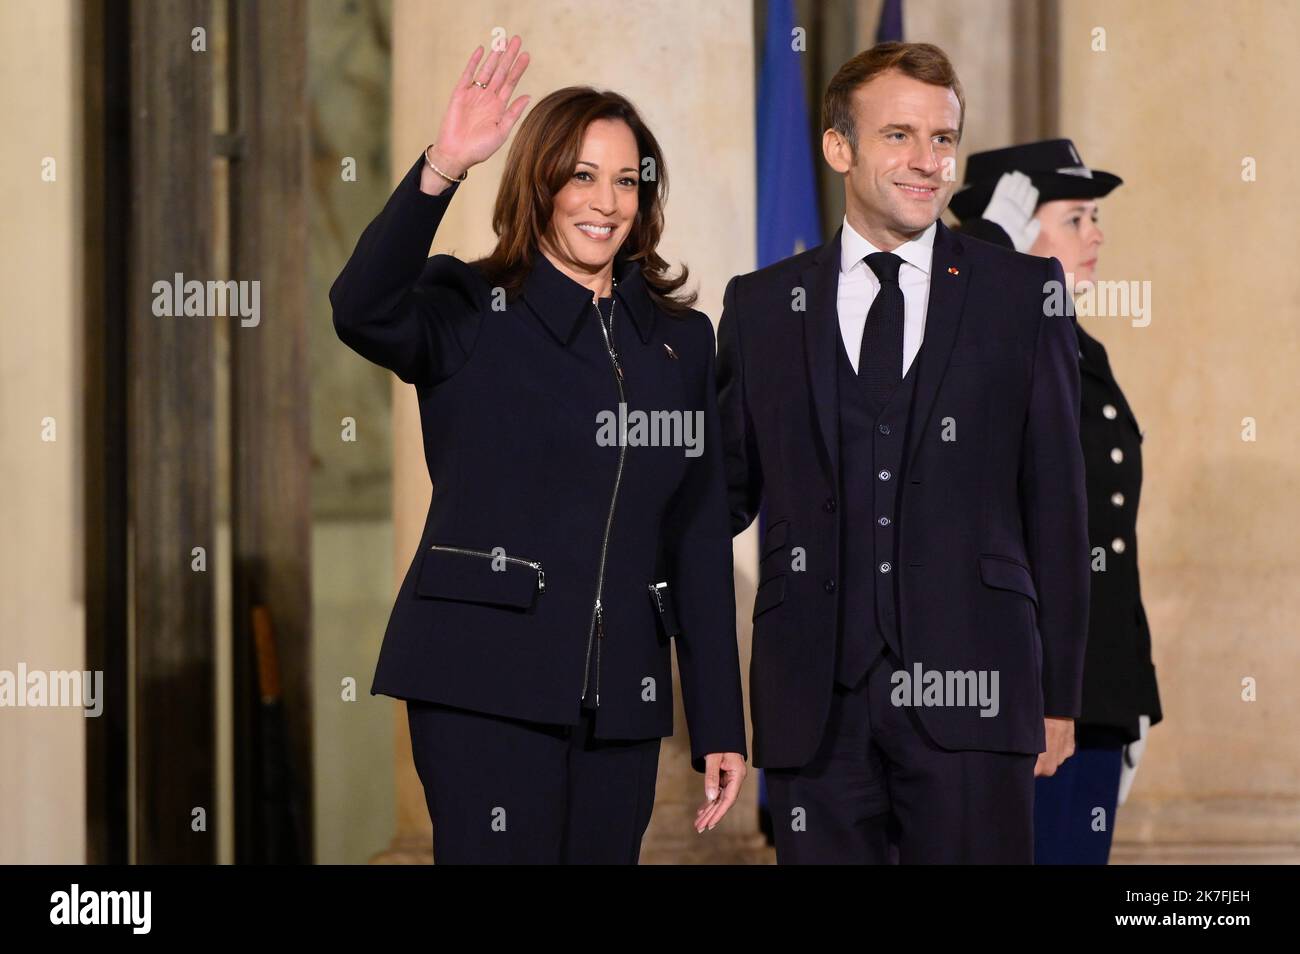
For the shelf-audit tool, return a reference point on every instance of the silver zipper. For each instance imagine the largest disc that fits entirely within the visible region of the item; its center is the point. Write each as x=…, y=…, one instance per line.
x=656, y=591
x=533, y=564
x=597, y=629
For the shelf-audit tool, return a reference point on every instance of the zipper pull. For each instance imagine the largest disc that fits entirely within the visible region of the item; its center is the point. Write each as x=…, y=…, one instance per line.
x=600, y=638
x=541, y=579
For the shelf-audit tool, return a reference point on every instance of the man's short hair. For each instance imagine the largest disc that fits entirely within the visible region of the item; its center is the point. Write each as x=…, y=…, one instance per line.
x=921, y=61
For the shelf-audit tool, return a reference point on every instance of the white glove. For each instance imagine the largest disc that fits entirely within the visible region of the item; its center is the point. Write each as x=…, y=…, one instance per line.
x=1012, y=207
x=1131, y=756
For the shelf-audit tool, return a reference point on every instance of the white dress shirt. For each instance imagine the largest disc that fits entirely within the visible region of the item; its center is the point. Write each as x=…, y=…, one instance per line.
x=859, y=285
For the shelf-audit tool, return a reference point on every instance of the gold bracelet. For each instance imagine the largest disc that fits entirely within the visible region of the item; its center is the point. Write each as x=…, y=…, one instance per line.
x=463, y=176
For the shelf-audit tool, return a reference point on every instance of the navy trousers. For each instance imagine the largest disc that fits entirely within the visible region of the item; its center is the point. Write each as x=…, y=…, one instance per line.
x=1074, y=810
x=877, y=777
x=508, y=791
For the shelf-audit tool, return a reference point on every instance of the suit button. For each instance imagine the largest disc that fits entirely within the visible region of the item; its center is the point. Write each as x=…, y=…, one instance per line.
x=885, y=568
x=829, y=586
x=884, y=475
x=1108, y=410
x=884, y=429
x=883, y=521
x=829, y=505
x=1116, y=455
x=1117, y=545
x=1117, y=499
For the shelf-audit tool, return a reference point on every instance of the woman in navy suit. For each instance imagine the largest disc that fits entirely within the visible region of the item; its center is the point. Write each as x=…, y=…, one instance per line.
x=578, y=523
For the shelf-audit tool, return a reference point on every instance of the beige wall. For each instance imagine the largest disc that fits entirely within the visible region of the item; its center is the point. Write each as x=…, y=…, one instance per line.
x=1182, y=94
x=979, y=38
x=42, y=772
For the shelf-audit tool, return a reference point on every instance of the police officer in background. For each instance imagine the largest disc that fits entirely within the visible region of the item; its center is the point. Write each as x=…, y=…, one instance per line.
x=1041, y=198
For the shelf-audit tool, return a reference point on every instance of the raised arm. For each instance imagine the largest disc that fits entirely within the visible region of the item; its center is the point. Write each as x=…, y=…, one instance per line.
x=392, y=304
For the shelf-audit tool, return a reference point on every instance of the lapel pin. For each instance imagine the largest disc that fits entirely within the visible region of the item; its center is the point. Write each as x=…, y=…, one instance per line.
x=953, y=271
x=671, y=353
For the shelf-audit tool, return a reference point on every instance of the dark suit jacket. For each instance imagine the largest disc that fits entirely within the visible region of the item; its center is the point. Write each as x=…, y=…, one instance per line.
x=991, y=528
x=509, y=403
x=1119, y=678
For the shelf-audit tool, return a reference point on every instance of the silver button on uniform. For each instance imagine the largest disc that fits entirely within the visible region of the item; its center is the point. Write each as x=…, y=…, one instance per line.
x=1117, y=499
x=885, y=568
x=1117, y=545
x=1109, y=411
x=884, y=475
x=1116, y=455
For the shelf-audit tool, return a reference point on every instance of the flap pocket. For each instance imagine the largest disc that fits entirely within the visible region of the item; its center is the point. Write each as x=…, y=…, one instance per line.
x=1004, y=573
x=775, y=537
x=662, y=600
x=480, y=576
x=770, y=593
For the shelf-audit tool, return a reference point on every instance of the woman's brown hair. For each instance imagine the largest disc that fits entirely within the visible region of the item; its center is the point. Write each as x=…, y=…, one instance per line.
x=540, y=163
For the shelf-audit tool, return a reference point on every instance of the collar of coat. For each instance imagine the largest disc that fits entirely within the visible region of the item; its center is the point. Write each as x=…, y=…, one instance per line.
x=563, y=304
x=1092, y=354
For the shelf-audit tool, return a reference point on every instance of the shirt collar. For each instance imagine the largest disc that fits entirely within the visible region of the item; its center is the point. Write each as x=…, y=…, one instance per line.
x=854, y=248
x=562, y=303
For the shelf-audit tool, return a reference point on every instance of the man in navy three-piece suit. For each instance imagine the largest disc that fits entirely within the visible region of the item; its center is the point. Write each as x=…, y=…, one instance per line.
x=904, y=404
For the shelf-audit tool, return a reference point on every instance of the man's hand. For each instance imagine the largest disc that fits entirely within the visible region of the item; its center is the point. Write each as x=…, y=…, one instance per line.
x=1012, y=206
x=731, y=767
x=1060, y=746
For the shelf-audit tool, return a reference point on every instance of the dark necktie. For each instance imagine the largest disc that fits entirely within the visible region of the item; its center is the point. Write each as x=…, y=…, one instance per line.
x=880, y=362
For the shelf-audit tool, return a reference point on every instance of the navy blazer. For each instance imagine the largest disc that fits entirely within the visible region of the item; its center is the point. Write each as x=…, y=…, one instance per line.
x=992, y=568
x=497, y=610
